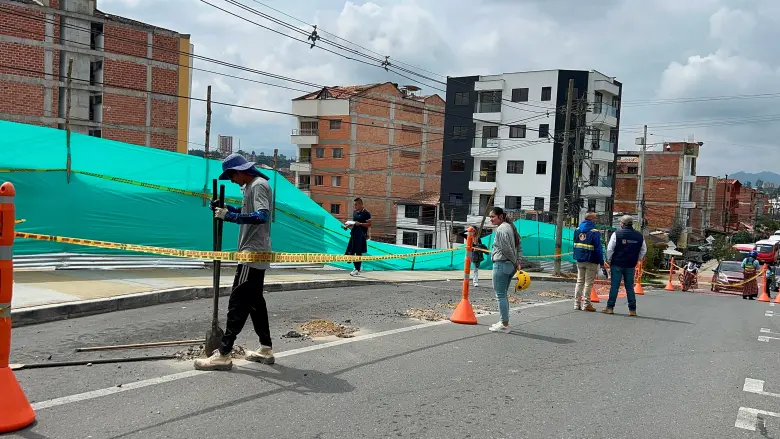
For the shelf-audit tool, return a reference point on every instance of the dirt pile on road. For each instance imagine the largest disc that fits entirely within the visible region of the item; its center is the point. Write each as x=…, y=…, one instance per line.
x=326, y=328
x=554, y=294
x=425, y=314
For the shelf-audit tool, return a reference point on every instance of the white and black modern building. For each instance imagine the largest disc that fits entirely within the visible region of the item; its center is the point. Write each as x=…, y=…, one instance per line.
x=506, y=132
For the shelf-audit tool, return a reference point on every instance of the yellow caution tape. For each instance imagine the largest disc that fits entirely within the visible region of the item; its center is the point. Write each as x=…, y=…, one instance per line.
x=19, y=221
x=227, y=256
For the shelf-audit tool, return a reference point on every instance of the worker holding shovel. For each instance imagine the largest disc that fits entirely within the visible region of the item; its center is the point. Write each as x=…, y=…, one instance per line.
x=246, y=298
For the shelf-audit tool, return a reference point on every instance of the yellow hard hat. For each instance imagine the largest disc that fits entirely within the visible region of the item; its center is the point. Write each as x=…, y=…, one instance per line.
x=523, y=280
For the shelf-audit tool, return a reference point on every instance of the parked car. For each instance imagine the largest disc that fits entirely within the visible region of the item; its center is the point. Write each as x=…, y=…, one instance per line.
x=725, y=275
x=768, y=251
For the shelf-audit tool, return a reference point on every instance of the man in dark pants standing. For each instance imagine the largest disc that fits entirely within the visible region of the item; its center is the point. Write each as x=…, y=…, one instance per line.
x=626, y=247
x=358, y=240
x=254, y=235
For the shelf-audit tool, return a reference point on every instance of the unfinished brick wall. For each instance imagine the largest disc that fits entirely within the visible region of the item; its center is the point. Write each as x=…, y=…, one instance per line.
x=168, y=142
x=164, y=114
x=662, y=165
x=21, y=99
x=121, y=109
x=124, y=74
x=127, y=136
x=164, y=81
x=21, y=60
x=165, y=49
x=125, y=40
x=14, y=25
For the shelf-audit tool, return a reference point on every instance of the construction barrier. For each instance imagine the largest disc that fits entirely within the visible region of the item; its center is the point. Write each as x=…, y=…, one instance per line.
x=15, y=410
x=601, y=287
x=464, y=312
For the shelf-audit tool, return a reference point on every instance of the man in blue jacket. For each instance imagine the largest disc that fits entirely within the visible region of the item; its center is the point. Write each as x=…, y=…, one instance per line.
x=626, y=247
x=589, y=256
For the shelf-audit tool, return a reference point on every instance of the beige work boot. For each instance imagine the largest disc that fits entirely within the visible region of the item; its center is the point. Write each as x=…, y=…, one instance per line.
x=589, y=307
x=264, y=355
x=608, y=311
x=216, y=361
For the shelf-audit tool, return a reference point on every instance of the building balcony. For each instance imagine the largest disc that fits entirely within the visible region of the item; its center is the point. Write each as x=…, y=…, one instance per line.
x=598, y=187
x=602, y=116
x=303, y=165
x=689, y=178
x=305, y=188
x=485, y=148
x=305, y=136
x=483, y=181
x=604, y=85
x=487, y=113
x=603, y=151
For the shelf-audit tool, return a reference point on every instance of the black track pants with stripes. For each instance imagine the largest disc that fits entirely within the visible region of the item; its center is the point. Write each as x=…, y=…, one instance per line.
x=246, y=300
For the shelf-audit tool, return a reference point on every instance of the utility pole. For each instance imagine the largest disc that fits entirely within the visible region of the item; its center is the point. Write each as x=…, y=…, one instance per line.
x=67, y=117
x=562, y=184
x=273, y=204
x=579, y=156
x=206, y=145
x=641, y=187
x=725, y=212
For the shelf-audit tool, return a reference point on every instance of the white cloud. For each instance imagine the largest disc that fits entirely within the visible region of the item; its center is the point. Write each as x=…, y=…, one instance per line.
x=731, y=25
x=660, y=49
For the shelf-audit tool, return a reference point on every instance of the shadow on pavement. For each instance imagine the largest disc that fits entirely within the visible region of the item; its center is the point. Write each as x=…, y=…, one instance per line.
x=295, y=380
x=657, y=319
x=542, y=337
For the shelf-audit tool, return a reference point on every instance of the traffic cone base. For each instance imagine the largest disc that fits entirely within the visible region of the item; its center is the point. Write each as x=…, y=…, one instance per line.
x=639, y=290
x=777, y=298
x=669, y=285
x=16, y=410
x=594, y=296
x=464, y=314
x=763, y=297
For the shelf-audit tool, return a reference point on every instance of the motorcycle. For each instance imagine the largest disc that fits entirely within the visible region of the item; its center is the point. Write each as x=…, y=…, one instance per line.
x=689, y=278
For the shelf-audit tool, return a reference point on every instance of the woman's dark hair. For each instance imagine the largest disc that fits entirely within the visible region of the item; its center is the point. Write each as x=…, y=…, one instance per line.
x=499, y=212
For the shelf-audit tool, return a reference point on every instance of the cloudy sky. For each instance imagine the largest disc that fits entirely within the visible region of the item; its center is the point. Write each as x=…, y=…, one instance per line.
x=666, y=53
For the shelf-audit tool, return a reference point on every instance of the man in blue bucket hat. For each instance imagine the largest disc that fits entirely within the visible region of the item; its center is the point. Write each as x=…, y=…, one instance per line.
x=246, y=298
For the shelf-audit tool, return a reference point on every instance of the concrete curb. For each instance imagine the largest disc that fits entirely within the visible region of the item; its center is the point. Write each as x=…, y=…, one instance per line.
x=70, y=310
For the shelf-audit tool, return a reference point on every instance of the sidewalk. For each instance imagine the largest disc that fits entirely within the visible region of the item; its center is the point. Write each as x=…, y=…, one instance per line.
x=41, y=296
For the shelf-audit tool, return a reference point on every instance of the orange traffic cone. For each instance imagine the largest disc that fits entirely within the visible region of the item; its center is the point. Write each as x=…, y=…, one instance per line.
x=15, y=410
x=594, y=296
x=464, y=313
x=669, y=285
x=763, y=297
x=777, y=298
x=638, y=280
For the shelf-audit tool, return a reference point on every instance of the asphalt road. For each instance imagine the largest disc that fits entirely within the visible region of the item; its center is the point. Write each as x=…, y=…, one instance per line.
x=690, y=366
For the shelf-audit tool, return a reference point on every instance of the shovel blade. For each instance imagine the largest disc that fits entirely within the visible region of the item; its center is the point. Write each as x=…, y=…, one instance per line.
x=213, y=339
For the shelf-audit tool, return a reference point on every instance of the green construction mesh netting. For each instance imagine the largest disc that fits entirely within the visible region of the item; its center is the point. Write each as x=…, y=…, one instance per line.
x=91, y=207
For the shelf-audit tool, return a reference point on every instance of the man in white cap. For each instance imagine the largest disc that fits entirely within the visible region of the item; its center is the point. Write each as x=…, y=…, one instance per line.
x=254, y=235
x=626, y=247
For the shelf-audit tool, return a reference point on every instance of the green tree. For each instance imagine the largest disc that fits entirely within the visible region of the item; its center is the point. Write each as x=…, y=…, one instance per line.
x=721, y=249
x=742, y=238
x=653, y=258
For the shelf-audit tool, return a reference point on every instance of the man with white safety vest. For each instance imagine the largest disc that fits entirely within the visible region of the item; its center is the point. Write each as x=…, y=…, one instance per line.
x=589, y=256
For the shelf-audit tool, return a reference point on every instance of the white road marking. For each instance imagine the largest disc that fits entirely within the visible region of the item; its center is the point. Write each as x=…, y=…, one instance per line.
x=748, y=417
x=768, y=331
x=757, y=387
x=766, y=338
x=192, y=373
x=769, y=314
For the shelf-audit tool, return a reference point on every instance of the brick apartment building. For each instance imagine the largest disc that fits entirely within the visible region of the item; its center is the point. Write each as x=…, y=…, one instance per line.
x=130, y=82
x=378, y=142
x=724, y=213
x=670, y=176
x=703, y=218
